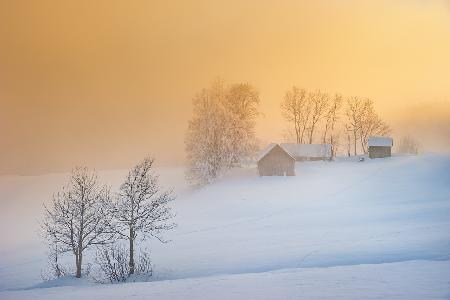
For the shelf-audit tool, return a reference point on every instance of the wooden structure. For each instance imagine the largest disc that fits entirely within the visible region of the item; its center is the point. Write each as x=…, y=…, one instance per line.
x=275, y=161
x=379, y=147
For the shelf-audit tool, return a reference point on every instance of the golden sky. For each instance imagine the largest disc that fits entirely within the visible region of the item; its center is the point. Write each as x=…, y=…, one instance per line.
x=103, y=83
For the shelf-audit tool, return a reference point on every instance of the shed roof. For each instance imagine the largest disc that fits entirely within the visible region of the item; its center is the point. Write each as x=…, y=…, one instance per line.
x=379, y=141
x=308, y=150
x=269, y=148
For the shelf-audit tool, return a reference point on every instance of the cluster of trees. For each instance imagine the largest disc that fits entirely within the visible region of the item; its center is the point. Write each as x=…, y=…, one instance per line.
x=85, y=215
x=221, y=132
x=315, y=114
x=408, y=145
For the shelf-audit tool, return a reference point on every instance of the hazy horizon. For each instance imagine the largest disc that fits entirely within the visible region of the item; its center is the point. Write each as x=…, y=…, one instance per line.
x=103, y=84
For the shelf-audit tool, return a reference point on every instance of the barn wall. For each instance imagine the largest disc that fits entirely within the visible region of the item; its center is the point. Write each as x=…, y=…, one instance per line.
x=379, y=152
x=276, y=163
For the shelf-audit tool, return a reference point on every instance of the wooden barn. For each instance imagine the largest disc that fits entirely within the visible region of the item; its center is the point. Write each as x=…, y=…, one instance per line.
x=275, y=161
x=379, y=146
x=302, y=152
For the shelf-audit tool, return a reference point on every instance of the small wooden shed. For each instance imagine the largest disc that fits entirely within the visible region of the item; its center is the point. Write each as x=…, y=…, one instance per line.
x=275, y=161
x=379, y=147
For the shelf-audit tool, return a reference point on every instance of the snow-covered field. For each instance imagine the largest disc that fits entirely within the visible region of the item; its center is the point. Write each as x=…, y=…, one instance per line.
x=378, y=229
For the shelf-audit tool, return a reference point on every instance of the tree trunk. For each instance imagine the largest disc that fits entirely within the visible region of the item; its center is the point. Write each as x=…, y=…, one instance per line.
x=78, y=259
x=354, y=142
x=311, y=134
x=131, y=263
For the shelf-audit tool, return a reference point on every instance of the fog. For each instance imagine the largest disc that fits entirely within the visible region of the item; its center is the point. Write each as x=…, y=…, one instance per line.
x=105, y=83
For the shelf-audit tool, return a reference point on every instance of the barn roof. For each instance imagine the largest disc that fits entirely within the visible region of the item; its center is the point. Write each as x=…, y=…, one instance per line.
x=380, y=141
x=269, y=148
x=308, y=150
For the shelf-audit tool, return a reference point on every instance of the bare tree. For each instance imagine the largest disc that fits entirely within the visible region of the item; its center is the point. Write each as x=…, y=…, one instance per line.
x=371, y=124
x=354, y=113
x=205, y=138
x=296, y=108
x=78, y=216
x=331, y=118
x=142, y=208
x=319, y=105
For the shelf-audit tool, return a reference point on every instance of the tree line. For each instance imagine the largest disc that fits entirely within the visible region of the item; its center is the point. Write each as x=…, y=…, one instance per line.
x=311, y=111
x=221, y=133
x=85, y=215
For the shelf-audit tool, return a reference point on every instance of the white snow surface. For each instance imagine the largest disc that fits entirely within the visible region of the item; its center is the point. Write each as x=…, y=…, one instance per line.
x=378, y=229
x=380, y=141
x=307, y=150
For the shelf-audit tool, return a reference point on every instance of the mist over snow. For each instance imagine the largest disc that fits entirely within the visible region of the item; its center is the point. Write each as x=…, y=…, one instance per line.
x=338, y=230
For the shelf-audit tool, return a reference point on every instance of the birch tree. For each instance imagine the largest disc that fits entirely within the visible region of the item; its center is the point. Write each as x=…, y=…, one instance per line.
x=142, y=208
x=78, y=217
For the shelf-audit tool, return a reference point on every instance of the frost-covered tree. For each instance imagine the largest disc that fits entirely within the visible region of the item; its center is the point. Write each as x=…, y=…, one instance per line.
x=142, y=208
x=241, y=108
x=220, y=134
x=78, y=217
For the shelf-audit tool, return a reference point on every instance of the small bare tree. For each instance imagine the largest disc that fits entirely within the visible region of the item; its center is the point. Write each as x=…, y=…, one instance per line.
x=112, y=261
x=296, y=108
x=78, y=216
x=55, y=269
x=141, y=207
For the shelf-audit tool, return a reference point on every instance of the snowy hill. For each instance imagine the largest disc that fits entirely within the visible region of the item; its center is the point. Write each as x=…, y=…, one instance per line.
x=345, y=229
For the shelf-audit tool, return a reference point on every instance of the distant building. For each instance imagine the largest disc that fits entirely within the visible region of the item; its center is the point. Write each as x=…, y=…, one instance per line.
x=275, y=161
x=379, y=146
x=303, y=152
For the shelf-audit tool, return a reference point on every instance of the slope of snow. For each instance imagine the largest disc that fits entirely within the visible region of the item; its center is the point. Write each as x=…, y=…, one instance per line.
x=372, y=229
x=408, y=280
